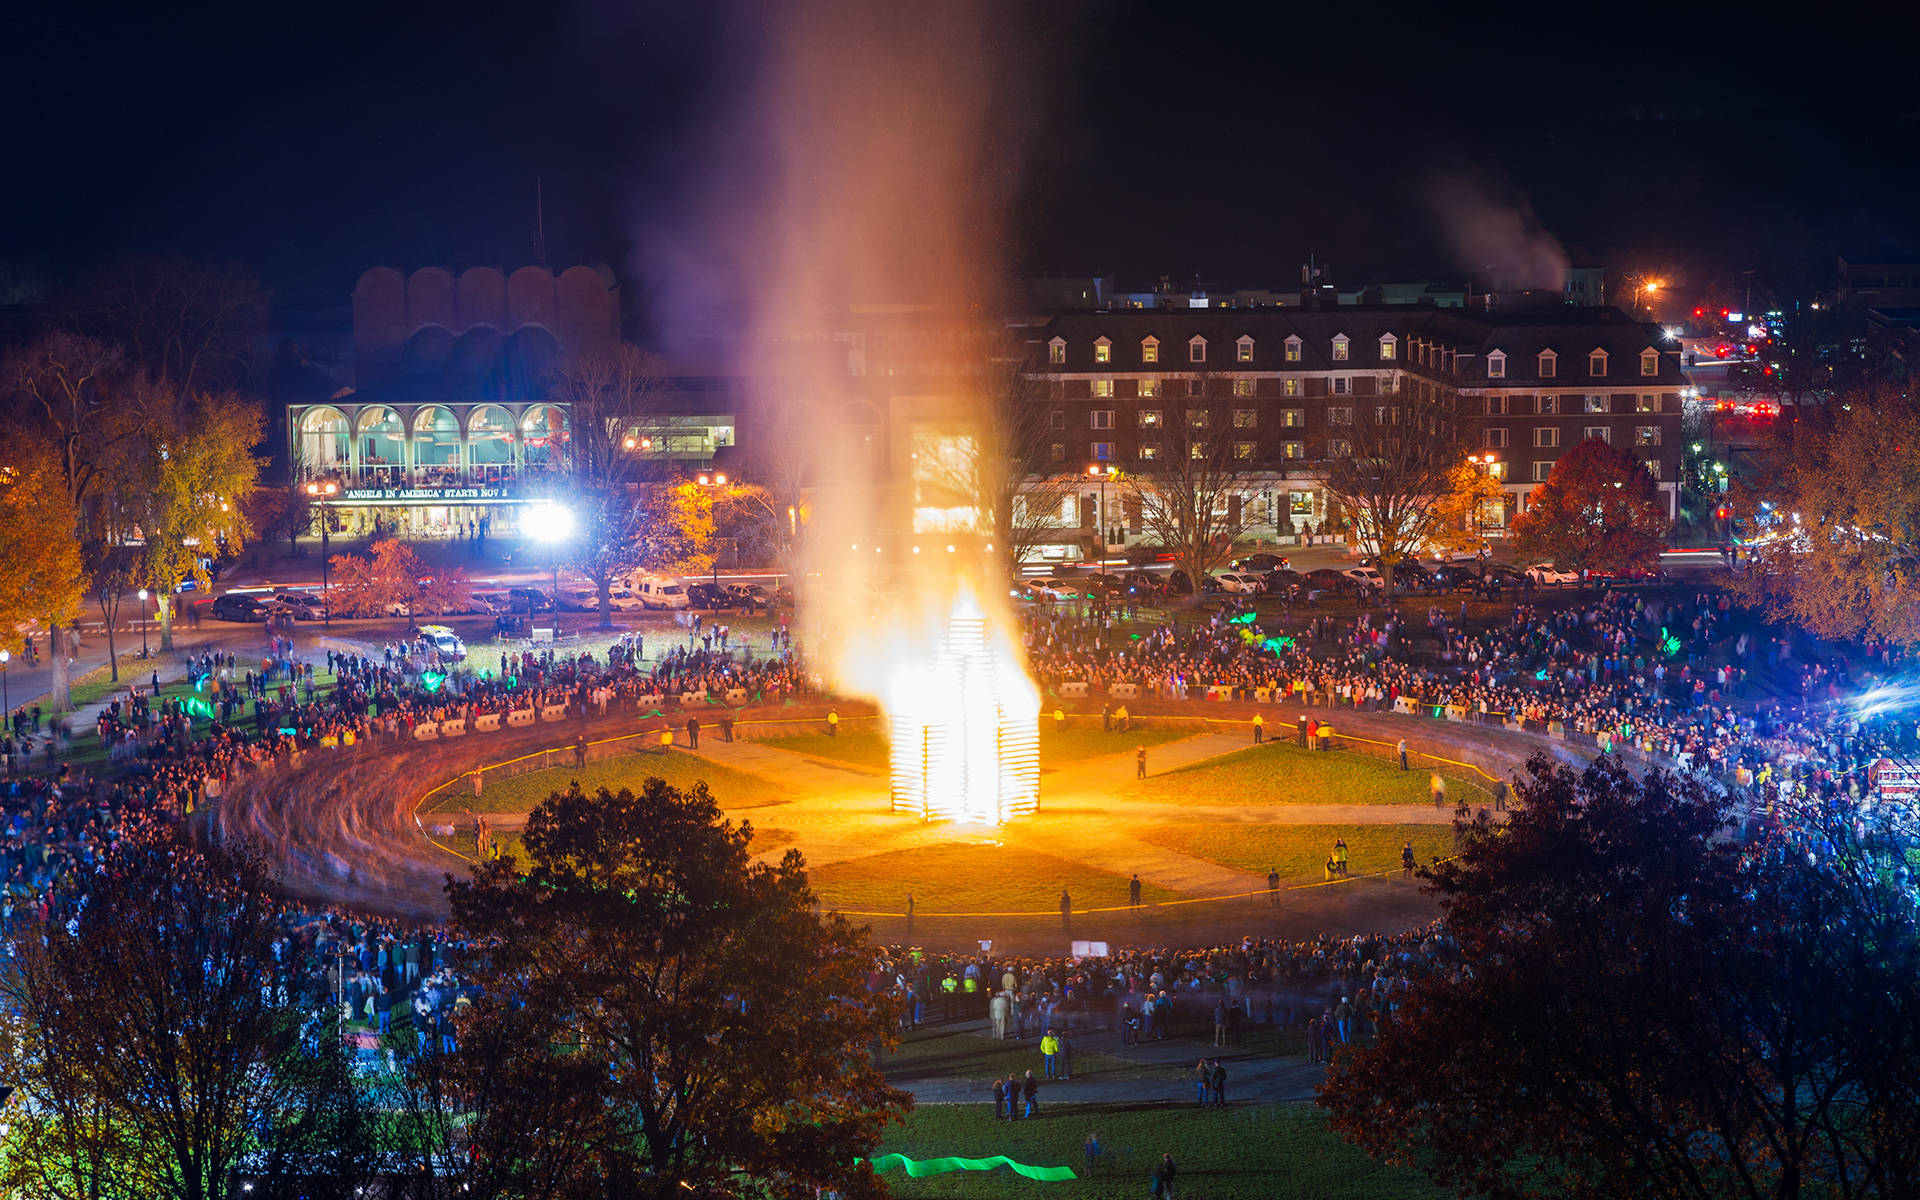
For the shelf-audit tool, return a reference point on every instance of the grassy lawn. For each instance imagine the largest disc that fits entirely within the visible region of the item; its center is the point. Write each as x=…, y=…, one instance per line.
x=1300, y=851
x=867, y=749
x=731, y=789
x=968, y=878
x=1282, y=773
x=1243, y=1152
x=929, y=1053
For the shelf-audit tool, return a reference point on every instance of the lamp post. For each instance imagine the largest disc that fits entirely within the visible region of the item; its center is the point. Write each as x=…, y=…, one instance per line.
x=1100, y=471
x=713, y=562
x=6, y=702
x=143, y=623
x=553, y=524
x=318, y=490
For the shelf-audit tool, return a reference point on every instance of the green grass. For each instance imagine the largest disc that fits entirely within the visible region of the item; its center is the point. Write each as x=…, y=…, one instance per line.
x=1282, y=773
x=521, y=793
x=969, y=877
x=867, y=749
x=930, y=1054
x=1243, y=1152
x=1300, y=852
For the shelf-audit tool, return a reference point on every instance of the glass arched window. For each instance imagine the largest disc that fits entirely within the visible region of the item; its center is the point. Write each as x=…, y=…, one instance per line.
x=325, y=438
x=490, y=436
x=544, y=430
x=436, y=438
x=383, y=446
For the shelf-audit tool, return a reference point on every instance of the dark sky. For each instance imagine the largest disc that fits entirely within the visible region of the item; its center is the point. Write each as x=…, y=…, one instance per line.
x=1186, y=139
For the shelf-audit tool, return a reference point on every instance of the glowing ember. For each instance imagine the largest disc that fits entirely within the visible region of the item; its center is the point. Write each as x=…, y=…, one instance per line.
x=964, y=728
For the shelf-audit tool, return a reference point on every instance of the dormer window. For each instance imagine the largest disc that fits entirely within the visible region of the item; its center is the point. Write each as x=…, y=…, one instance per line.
x=1597, y=364
x=1057, y=351
x=1496, y=364
x=1649, y=362
x=1293, y=349
x=1243, y=349
x=1340, y=347
x=1150, y=350
x=1102, y=350
x=1389, y=347
x=1197, y=349
x=1549, y=364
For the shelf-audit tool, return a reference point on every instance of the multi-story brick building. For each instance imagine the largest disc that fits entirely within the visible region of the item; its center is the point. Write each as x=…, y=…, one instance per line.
x=1520, y=387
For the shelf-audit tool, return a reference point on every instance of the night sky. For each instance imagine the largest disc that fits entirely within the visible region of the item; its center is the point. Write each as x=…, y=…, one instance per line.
x=1191, y=139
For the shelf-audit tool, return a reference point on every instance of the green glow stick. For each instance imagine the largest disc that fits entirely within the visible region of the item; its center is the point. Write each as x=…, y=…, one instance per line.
x=920, y=1169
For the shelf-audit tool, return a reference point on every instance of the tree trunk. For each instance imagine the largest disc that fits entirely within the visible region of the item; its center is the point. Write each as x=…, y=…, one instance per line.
x=113, y=659
x=164, y=604
x=62, y=677
x=606, y=602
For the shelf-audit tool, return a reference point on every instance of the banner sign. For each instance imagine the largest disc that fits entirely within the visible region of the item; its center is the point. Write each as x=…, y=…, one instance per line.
x=424, y=495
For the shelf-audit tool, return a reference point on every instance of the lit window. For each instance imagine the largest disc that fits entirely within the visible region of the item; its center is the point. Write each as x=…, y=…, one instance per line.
x=1149, y=418
x=1291, y=387
x=1293, y=449
x=1293, y=349
x=1293, y=418
x=1336, y=448
x=1340, y=347
x=1103, y=450
x=1549, y=364
x=1197, y=349
x=1596, y=404
x=1648, y=402
x=1646, y=435
x=1597, y=364
x=1546, y=439
x=1496, y=365
x=1547, y=406
x=1197, y=451
x=1057, y=452
x=1243, y=418
x=1057, y=351
x=1243, y=350
x=1243, y=387
x=1653, y=467
x=1102, y=350
x=1243, y=450
x=1197, y=419
x=1150, y=350
x=1649, y=363
x=1100, y=418
x=1149, y=388
x=1340, y=416
x=1149, y=450
x=1389, y=347
x=1102, y=389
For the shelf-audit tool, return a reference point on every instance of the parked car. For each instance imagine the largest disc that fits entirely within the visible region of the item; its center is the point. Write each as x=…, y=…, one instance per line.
x=1499, y=576
x=1047, y=588
x=1411, y=576
x=1327, y=580
x=305, y=606
x=529, y=600
x=235, y=607
x=1369, y=576
x=1547, y=573
x=1630, y=577
x=1210, y=585
x=1280, y=582
x=1105, y=583
x=743, y=593
x=1260, y=562
x=1452, y=578
x=783, y=596
x=1141, y=583
x=708, y=596
x=1238, y=584
x=1179, y=583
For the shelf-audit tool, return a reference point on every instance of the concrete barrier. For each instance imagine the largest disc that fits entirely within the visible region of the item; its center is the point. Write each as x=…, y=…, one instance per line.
x=1556, y=731
x=520, y=716
x=1457, y=713
x=453, y=728
x=1263, y=695
x=553, y=712
x=1219, y=691
x=736, y=695
x=1124, y=691
x=1073, y=691
x=426, y=732
x=649, y=700
x=692, y=697
x=486, y=723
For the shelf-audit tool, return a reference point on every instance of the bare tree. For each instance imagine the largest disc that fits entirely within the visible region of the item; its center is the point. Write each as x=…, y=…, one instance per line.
x=1021, y=483
x=1393, y=467
x=190, y=325
x=1192, y=478
x=613, y=398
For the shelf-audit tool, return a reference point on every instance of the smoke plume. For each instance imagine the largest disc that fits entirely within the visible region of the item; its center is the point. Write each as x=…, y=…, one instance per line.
x=1496, y=238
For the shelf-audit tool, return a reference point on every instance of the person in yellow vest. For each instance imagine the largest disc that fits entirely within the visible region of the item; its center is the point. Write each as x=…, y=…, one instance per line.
x=1340, y=856
x=1259, y=729
x=1050, y=1054
x=833, y=722
x=1120, y=719
x=1059, y=721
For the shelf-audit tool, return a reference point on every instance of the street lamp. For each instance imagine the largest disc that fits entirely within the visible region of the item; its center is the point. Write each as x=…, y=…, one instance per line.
x=553, y=524
x=1100, y=471
x=706, y=480
x=317, y=490
x=6, y=702
x=143, y=623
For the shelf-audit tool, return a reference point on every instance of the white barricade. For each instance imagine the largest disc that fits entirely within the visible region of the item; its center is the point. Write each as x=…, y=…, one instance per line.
x=1263, y=695
x=1124, y=691
x=1073, y=691
x=736, y=695
x=1456, y=712
x=1219, y=691
x=553, y=712
x=453, y=728
x=692, y=697
x=650, y=700
x=426, y=732
x=1403, y=704
x=520, y=716
x=486, y=723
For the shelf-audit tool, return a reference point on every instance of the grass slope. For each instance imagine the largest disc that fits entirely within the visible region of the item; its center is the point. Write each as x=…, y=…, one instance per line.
x=1300, y=852
x=521, y=793
x=968, y=877
x=1282, y=773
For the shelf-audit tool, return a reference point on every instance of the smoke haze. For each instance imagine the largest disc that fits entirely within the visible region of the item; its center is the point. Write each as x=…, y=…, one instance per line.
x=1495, y=237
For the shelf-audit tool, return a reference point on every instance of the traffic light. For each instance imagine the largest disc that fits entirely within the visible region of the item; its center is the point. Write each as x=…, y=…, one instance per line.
x=1723, y=512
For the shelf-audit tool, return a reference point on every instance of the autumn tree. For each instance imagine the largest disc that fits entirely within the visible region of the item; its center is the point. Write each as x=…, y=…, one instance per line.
x=393, y=577
x=198, y=471
x=1598, y=510
x=1023, y=488
x=157, y=1054
x=1653, y=1009
x=42, y=575
x=1394, y=468
x=1191, y=480
x=660, y=1015
x=1462, y=510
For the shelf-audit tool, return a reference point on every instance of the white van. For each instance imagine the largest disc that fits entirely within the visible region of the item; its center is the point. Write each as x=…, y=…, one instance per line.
x=657, y=591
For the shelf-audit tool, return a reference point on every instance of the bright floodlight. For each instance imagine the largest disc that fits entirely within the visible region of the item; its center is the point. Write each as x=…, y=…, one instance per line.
x=549, y=523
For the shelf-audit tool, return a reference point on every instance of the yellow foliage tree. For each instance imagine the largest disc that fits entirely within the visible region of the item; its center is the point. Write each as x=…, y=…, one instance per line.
x=1461, y=510
x=42, y=577
x=199, y=470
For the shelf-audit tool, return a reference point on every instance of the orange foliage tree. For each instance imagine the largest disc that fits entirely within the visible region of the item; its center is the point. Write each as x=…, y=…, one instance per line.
x=394, y=581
